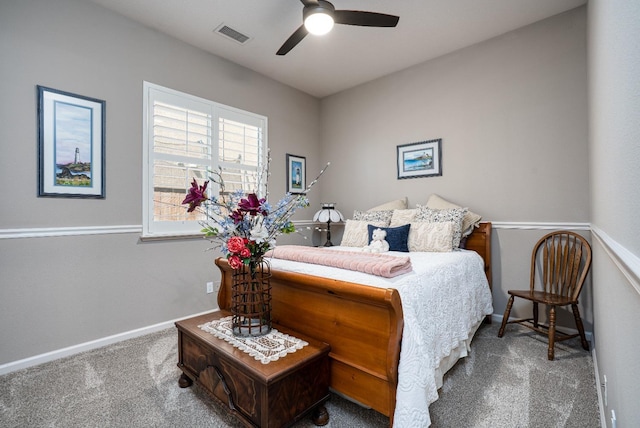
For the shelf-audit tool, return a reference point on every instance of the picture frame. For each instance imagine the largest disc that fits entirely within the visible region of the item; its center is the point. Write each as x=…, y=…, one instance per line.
x=71, y=143
x=296, y=174
x=422, y=159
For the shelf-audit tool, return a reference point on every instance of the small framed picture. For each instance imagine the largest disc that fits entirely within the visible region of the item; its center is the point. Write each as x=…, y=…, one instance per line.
x=71, y=140
x=296, y=174
x=423, y=159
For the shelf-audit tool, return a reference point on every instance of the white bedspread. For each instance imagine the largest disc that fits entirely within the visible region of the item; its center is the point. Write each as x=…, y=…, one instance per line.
x=443, y=299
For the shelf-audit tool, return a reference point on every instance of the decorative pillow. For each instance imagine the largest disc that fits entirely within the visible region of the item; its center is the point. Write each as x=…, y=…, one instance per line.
x=398, y=204
x=470, y=220
x=356, y=233
x=397, y=237
x=371, y=216
x=456, y=215
x=433, y=237
x=401, y=217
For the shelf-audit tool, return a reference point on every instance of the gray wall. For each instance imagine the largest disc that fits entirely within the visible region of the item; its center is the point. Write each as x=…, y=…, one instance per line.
x=614, y=90
x=512, y=115
x=65, y=290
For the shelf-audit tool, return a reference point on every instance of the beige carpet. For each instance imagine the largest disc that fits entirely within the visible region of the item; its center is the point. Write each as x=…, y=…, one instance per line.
x=504, y=382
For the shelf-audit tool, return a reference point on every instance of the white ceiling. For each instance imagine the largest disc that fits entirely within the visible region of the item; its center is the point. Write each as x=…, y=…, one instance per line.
x=349, y=55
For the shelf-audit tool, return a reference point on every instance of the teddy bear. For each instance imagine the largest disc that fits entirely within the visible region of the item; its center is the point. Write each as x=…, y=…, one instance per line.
x=378, y=242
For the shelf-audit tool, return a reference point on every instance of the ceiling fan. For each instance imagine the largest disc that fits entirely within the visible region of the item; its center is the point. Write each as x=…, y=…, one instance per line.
x=319, y=16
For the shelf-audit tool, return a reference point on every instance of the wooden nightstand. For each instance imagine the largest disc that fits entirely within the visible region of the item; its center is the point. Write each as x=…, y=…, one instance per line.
x=264, y=395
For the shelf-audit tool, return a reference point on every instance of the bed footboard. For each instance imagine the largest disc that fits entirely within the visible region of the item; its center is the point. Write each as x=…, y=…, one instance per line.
x=362, y=324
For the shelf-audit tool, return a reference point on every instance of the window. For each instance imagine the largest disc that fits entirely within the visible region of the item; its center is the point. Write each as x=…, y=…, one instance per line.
x=186, y=137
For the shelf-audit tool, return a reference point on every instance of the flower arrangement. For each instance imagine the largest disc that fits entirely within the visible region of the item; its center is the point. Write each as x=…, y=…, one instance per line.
x=244, y=226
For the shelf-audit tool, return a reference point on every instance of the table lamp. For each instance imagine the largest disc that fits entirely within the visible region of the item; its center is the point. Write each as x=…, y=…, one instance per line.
x=328, y=214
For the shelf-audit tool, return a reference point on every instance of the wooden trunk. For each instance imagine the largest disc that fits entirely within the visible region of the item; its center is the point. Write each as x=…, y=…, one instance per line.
x=270, y=395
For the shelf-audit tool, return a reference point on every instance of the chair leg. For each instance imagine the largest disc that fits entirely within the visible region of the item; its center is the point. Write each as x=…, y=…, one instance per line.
x=552, y=332
x=535, y=314
x=505, y=317
x=576, y=315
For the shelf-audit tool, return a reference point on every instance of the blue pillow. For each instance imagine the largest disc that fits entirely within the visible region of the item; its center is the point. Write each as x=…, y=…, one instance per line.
x=397, y=237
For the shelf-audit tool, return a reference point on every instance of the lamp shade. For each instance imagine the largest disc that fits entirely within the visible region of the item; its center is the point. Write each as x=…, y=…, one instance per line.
x=328, y=213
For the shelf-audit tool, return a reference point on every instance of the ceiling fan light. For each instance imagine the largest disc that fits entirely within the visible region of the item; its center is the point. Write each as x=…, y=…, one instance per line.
x=318, y=23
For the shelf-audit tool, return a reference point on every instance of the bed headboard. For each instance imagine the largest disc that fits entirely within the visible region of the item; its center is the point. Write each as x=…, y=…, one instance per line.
x=480, y=242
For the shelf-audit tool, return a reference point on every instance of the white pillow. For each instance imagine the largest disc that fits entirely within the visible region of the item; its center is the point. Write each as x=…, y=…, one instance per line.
x=402, y=217
x=398, y=204
x=454, y=215
x=470, y=220
x=433, y=237
x=356, y=233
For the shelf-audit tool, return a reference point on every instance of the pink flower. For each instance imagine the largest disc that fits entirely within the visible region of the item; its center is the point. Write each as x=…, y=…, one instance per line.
x=245, y=253
x=235, y=244
x=196, y=195
x=235, y=262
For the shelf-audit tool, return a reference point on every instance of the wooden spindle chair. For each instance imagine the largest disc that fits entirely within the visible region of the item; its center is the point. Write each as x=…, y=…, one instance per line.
x=563, y=259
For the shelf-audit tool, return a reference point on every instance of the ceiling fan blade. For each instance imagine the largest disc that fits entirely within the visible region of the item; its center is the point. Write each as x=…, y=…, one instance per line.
x=293, y=40
x=365, y=19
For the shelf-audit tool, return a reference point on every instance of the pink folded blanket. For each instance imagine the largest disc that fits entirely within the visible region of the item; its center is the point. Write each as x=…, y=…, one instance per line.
x=372, y=263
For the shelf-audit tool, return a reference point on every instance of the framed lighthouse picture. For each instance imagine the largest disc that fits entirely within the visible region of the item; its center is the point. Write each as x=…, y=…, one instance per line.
x=296, y=174
x=71, y=141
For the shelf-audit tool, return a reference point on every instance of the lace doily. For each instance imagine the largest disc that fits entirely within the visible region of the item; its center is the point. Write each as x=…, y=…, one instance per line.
x=266, y=348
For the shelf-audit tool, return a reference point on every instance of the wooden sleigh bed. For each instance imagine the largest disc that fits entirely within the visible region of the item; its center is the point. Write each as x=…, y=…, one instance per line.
x=363, y=324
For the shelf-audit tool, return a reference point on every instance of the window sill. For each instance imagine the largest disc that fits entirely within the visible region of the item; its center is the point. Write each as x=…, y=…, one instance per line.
x=170, y=237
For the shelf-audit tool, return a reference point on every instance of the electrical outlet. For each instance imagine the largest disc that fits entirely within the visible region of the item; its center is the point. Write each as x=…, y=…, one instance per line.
x=209, y=287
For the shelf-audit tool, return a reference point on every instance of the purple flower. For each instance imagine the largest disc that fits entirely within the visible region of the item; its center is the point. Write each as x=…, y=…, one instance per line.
x=252, y=205
x=196, y=195
x=236, y=216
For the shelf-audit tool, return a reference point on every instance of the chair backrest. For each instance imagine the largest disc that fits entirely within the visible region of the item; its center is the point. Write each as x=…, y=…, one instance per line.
x=563, y=260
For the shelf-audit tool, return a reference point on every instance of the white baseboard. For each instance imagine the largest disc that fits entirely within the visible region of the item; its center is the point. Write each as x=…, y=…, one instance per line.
x=603, y=421
x=87, y=346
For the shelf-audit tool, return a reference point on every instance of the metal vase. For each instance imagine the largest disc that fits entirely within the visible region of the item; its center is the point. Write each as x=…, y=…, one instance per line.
x=251, y=299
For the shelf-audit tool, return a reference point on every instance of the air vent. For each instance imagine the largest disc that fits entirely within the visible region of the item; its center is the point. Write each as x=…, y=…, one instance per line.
x=232, y=34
